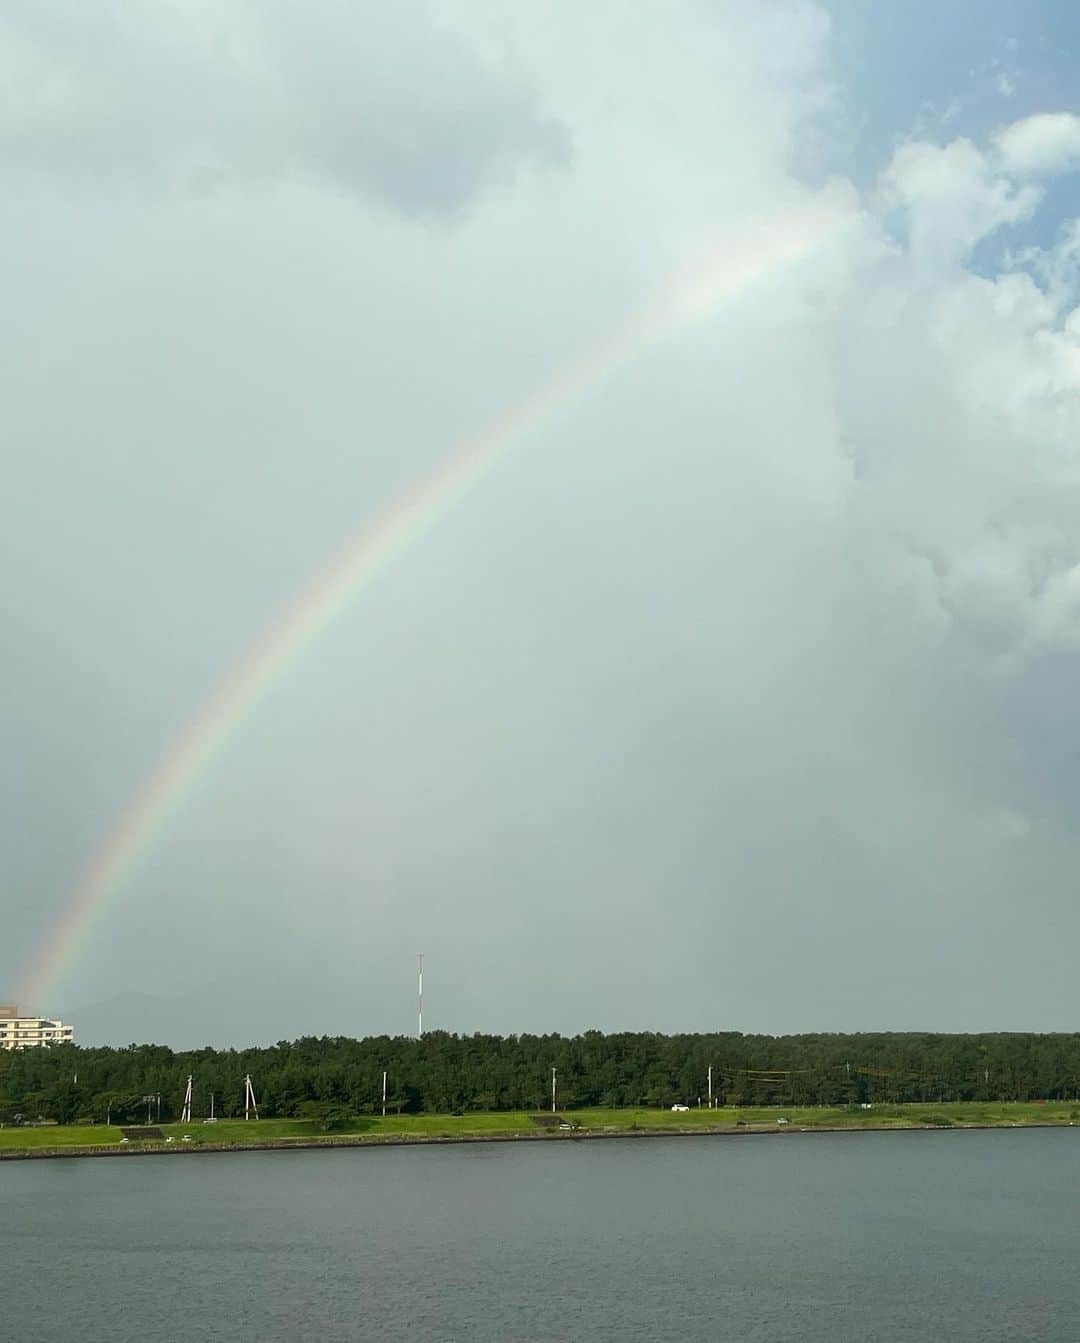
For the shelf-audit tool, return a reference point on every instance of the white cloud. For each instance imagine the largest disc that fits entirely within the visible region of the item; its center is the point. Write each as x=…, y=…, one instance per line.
x=1040, y=146
x=960, y=393
x=952, y=198
x=962, y=396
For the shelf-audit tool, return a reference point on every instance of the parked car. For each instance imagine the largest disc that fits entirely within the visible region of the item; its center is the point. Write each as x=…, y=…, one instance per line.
x=683, y=1108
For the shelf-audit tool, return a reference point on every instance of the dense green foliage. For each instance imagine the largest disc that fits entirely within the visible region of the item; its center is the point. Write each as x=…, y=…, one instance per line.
x=330, y=1077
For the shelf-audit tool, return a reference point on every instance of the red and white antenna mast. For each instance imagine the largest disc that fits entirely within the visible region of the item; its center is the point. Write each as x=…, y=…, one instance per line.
x=185, y=1115
x=420, y=994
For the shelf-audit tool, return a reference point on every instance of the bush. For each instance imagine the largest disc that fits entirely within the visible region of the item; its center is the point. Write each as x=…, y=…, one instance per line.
x=329, y=1116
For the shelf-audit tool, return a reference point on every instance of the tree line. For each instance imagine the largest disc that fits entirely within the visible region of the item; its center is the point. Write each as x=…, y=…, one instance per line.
x=446, y=1073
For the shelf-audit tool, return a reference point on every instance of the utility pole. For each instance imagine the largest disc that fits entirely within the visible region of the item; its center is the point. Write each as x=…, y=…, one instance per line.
x=420, y=994
x=249, y=1098
x=553, y=1091
x=710, y=1086
x=185, y=1114
x=384, y=1094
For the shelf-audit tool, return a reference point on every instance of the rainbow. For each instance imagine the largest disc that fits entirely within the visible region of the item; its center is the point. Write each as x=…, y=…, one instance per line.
x=728, y=272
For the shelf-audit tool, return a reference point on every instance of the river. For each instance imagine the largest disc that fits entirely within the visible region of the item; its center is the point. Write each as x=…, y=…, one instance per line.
x=877, y=1236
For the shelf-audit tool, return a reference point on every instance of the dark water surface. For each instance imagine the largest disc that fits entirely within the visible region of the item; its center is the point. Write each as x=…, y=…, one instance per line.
x=952, y=1236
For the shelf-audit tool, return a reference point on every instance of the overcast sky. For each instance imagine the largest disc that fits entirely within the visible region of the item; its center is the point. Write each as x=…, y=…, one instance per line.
x=739, y=695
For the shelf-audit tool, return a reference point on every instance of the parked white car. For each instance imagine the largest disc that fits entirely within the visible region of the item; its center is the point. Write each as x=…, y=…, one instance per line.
x=682, y=1108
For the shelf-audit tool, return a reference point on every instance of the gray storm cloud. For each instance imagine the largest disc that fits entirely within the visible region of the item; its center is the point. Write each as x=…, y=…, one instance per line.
x=377, y=102
x=737, y=694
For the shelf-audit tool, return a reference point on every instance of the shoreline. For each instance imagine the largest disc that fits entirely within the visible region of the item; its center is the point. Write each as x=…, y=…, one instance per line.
x=352, y=1141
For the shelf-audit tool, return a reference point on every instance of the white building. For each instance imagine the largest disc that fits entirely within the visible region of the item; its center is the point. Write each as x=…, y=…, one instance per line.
x=18, y=1032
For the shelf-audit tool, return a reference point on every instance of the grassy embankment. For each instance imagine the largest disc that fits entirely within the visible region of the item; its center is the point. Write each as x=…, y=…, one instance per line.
x=396, y=1128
